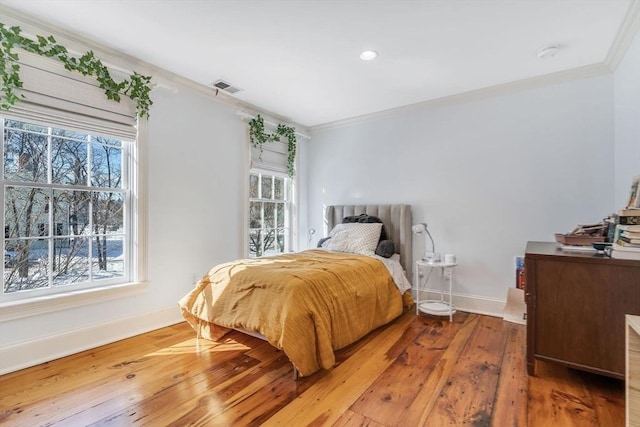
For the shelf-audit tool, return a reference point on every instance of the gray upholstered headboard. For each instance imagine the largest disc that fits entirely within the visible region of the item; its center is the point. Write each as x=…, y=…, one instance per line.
x=396, y=220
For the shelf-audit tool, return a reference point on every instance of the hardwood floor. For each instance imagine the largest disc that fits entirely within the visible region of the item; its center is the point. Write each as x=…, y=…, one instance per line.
x=415, y=371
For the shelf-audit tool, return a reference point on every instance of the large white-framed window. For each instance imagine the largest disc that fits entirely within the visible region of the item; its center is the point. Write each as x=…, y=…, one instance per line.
x=73, y=191
x=67, y=209
x=270, y=213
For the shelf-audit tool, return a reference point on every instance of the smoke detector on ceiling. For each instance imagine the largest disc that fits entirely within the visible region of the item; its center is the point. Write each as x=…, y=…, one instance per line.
x=226, y=86
x=547, y=52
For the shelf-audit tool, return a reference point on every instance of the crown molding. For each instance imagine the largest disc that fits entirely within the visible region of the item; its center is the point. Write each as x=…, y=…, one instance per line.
x=628, y=30
x=123, y=63
x=564, y=76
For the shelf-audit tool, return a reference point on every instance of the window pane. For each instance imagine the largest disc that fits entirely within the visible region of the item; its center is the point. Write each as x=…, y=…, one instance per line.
x=25, y=156
x=106, y=165
x=25, y=208
x=71, y=212
x=280, y=213
x=70, y=260
x=255, y=215
x=281, y=240
x=25, y=265
x=269, y=215
x=68, y=162
x=253, y=186
x=108, y=213
x=107, y=258
x=267, y=192
x=15, y=124
x=255, y=243
x=278, y=188
x=106, y=141
x=269, y=242
x=70, y=134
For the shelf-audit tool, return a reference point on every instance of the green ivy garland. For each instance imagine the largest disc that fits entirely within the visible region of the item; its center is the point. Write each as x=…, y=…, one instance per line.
x=137, y=87
x=258, y=136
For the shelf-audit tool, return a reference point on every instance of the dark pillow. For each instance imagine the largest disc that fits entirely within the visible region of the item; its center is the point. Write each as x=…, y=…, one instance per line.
x=385, y=248
x=364, y=218
x=321, y=241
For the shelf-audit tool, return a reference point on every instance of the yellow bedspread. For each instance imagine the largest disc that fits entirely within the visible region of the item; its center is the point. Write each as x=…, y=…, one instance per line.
x=307, y=304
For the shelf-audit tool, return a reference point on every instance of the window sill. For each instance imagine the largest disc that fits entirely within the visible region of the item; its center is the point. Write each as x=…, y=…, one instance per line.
x=47, y=304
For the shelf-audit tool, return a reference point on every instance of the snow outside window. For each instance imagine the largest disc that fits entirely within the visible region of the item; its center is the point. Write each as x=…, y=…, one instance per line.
x=66, y=209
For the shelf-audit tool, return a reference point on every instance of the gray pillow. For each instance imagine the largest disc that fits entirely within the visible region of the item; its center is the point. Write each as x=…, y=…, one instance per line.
x=385, y=248
x=321, y=241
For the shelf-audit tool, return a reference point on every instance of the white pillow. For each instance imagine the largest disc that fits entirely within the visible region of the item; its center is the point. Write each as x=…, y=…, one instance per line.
x=356, y=238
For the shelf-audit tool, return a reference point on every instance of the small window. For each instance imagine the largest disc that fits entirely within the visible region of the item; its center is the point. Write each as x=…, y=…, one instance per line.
x=269, y=214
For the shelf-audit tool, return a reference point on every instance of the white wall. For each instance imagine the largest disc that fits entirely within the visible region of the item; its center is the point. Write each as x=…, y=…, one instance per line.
x=303, y=196
x=627, y=121
x=197, y=189
x=487, y=176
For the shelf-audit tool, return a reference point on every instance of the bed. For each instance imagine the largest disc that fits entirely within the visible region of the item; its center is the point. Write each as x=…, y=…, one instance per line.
x=310, y=303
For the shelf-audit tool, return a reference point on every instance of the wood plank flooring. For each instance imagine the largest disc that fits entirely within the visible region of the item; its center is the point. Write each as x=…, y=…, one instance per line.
x=416, y=371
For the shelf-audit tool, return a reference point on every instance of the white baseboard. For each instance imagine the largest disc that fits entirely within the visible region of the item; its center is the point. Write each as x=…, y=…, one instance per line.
x=33, y=352
x=472, y=303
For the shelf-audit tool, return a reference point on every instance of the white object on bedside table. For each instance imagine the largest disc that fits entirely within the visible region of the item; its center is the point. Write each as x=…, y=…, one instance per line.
x=435, y=307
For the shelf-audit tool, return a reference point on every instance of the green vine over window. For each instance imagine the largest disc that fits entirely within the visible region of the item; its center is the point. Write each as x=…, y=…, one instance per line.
x=137, y=87
x=258, y=136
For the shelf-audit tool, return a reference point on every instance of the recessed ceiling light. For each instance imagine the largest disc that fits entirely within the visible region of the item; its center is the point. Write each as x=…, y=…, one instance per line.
x=368, y=55
x=547, y=52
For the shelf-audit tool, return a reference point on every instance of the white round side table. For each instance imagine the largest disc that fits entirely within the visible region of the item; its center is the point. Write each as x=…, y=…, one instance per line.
x=437, y=307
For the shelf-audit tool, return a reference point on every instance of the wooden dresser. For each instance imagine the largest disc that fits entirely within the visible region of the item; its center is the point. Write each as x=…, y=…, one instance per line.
x=576, y=307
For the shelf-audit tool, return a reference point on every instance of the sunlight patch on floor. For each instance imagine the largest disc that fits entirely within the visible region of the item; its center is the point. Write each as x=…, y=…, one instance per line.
x=196, y=346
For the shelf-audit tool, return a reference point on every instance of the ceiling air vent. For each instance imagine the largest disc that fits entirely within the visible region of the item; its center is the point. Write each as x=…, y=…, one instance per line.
x=226, y=86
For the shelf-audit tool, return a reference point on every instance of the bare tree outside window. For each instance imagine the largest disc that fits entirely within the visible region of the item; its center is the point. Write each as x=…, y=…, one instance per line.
x=108, y=206
x=64, y=207
x=268, y=209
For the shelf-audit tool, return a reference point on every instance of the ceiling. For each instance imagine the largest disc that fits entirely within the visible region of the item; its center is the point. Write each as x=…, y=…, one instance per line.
x=300, y=59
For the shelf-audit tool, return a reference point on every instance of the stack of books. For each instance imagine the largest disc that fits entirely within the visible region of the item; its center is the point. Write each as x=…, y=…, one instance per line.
x=629, y=216
x=625, y=242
